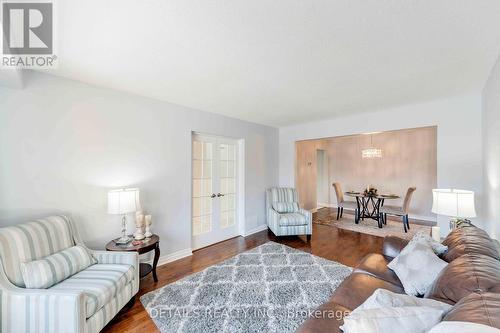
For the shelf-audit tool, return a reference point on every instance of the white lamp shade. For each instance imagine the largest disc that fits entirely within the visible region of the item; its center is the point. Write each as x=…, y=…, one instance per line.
x=455, y=203
x=123, y=201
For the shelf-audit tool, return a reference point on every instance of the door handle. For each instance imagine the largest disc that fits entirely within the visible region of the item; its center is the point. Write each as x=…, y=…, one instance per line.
x=220, y=195
x=213, y=195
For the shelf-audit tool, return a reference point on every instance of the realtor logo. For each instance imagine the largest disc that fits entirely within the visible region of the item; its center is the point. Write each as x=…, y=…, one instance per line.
x=28, y=34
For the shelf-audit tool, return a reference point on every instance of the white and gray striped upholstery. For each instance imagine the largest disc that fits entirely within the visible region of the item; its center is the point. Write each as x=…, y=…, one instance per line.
x=287, y=224
x=46, y=272
x=284, y=194
x=100, y=283
x=33, y=241
x=286, y=207
x=292, y=219
x=84, y=306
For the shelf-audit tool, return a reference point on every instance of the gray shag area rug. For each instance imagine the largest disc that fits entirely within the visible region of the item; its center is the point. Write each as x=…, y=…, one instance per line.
x=271, y=288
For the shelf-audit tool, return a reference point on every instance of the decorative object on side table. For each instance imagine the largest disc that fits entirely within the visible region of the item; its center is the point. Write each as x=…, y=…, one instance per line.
x=370, y=191
x=123, y=202
x=148, y=221
x=141, y=247
x=458, y=204
x=139, y=225
x=436, y=233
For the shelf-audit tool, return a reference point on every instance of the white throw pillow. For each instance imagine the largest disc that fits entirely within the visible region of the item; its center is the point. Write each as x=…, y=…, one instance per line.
x=46, y=272
x=382, y=298
x=462, y=327
x=437, y=247
x=407, y=319
x=417, y=266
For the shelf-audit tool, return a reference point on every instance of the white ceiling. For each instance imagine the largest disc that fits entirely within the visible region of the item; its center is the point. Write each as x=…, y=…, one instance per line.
x=280, y=62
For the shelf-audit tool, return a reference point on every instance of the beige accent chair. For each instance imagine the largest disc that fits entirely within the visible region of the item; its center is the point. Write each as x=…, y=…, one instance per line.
x=399, y=211
x=342, y=203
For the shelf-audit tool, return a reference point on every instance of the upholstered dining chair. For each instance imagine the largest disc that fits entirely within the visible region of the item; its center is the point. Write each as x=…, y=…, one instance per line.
x=342, y=203
x=399, y=211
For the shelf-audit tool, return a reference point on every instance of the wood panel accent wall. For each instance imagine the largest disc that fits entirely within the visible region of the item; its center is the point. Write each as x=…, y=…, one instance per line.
x=305, y=171
x=409, y=159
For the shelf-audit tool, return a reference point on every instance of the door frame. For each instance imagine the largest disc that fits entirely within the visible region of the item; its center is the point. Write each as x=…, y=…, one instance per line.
x=240, y=186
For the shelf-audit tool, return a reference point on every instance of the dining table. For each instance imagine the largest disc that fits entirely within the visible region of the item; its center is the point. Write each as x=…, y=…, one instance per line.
x=369, y=205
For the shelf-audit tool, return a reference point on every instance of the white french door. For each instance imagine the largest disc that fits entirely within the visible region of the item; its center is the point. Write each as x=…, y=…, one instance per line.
x=215, y=188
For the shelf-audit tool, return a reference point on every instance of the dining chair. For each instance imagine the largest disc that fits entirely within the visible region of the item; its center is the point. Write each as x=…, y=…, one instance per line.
x=341, y=203
x=399, y=211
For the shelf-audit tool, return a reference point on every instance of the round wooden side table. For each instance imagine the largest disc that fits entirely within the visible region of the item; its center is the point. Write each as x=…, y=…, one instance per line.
x=148, y=244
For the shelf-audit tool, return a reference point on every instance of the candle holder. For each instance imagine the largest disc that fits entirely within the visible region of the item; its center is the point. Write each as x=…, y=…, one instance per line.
x=148, y=223
x=139, y=224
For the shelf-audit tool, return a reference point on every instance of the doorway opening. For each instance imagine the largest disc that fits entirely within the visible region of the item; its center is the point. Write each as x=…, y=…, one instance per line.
x=390, y=161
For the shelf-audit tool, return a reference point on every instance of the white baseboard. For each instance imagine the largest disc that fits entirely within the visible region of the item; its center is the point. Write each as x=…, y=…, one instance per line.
x=255, y=230
x=174, y=256
x=323, y=204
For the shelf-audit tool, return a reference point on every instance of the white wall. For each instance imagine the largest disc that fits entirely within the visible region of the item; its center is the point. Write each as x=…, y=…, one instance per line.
x=64, y=144
x=491, y=151
x=458, y=119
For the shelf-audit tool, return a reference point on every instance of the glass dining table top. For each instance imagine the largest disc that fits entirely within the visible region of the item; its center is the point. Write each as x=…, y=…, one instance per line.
x=376, y=196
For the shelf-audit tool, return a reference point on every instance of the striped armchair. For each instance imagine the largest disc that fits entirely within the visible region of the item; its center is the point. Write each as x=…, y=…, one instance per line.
x=84, y=302
x=284, y=216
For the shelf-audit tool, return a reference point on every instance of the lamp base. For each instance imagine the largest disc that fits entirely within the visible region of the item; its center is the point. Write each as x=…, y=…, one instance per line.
x=123, y=240
x=456, y=223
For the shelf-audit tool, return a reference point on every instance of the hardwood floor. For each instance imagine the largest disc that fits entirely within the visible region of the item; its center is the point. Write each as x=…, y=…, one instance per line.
x=346, y=247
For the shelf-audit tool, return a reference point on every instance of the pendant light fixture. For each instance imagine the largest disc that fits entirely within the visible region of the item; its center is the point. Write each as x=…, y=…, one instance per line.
x=371, y=152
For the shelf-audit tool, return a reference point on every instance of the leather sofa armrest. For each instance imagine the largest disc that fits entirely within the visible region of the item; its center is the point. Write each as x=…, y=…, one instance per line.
x=327, y=318
x=393, y=246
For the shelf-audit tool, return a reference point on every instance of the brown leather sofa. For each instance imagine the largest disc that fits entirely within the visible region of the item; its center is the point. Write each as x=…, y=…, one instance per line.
x=470, y=282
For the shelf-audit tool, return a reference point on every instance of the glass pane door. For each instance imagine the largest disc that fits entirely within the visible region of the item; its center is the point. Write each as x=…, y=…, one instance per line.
x=227, y=184
x=215, y=188
x=202, y=187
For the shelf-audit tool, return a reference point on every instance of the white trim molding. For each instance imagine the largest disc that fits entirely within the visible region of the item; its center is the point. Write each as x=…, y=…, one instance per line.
x=175, y=256
x=255, y=230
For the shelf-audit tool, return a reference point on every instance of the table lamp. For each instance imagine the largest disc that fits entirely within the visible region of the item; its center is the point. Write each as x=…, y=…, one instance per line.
x=123, y=202
x=458, y=204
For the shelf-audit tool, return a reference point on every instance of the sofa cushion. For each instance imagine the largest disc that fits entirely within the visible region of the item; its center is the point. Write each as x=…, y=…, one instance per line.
x=354, y=290
x=408, y=319
x=376, y=264
x=417, y=266
x=436, y=246
x=100, y=284
x=469, y=240
x=479, y=308
x=32, y=241
x=464, y=275
x=46, y=272
x=386, y=311
x=286, y=207
x=383, y=298
x=292, y=219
